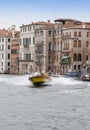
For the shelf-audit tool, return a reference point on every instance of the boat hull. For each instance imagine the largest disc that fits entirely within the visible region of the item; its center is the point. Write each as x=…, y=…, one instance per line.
x=39, y=80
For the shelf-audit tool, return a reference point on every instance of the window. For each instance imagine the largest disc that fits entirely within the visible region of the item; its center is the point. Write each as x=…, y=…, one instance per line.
x=8, y=39
x=86, y=57
x=55, y=46
x=8, y=63
x=27, y=56
x=75, y=34
x=54, y=32
x=79, y=57
x=49, y=33
x=49, y=46
x=78, y=67
x=38, y=34
x=75, y=57
x=2, y=64
x=26, y=42
x=33, y=40
x=39, y=49
x=17, y=60
x=2, y=39
x=88, y=34
x=2, y=56
x=2, y=47
x=75, y=67
x=79, y=43
x=87, y=44
x=66, y=34
x=24, y=29
x=79, y=34
x=8, y=46
x=15, y=51
x=29, y=28
x=66, y=45
x=75, y=43
x=20, y=41
x=21, y=29
x=49, y=58
x=41, y=33
x=8, y=56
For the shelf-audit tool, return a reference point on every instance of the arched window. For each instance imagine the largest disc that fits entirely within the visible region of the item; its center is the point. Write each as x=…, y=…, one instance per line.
x=79, y=43
x=75, y=43
x=49, y=46
x=79, y=57
x=55, y=46
x=75, y=57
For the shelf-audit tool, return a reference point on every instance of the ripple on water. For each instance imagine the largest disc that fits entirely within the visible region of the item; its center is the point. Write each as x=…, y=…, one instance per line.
x=63, y=105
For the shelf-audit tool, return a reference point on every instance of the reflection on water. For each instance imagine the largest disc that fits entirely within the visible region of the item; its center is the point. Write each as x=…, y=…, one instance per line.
x=62, y=105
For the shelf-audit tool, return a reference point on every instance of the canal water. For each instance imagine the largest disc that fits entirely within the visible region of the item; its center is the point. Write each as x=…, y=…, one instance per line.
x=62, y=105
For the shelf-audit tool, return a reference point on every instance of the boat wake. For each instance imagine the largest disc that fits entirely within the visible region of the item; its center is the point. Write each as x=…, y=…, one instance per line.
x=23, y=80
x=15, y=79
x=65, y=81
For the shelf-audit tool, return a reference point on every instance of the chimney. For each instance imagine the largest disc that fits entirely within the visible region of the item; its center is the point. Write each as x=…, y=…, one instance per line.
x=83, y=25
x=48, y=21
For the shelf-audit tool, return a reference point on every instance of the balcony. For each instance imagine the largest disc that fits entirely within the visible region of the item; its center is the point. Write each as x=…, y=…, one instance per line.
x=66, y=36
x=39, y=52
x=65, y=60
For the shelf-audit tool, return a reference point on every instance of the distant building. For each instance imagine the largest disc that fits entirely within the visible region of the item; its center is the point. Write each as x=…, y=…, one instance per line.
x=44, y=41
x=26, y=49
x=30, y=37
x=5, y=50
x=15, y=42
x=74, y=41
x=44, y=46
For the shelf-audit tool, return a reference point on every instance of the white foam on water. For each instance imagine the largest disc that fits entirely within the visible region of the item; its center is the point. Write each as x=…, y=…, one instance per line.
x=88, y=84
x=15, y=79
x=64, y=81
x=23, y=80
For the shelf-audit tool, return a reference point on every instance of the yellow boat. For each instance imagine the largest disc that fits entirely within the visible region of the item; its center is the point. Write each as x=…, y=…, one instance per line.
x=40, y=79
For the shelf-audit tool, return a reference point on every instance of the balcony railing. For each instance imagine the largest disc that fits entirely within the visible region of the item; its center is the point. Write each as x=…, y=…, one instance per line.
x=66, y=36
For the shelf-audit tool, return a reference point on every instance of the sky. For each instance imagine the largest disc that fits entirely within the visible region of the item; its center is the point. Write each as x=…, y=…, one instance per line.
x=18, y=12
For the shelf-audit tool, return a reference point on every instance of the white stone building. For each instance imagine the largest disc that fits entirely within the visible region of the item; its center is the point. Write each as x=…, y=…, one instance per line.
x=5, y=38
x=26, y=50
x=27, y=55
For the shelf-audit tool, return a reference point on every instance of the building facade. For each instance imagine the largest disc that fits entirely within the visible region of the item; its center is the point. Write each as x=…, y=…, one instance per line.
x=44, y=41
x=30, y=36
x=44, y=46
x=75, y=42
x=5, y=50
x=15, y=41
x=26, y=50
